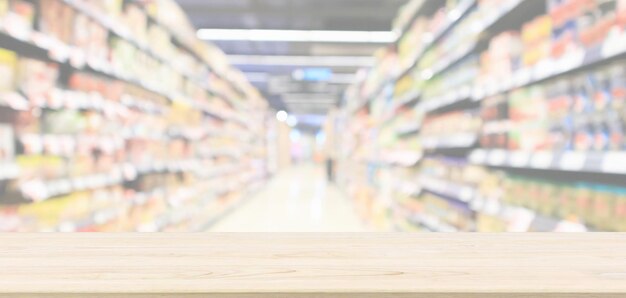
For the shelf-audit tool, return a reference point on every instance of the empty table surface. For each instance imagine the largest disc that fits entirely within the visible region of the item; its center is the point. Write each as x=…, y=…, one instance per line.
x=313, y=265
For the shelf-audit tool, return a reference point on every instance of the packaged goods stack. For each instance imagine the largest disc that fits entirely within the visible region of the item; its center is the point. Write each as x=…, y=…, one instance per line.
x=115, y=117
x=514, y=110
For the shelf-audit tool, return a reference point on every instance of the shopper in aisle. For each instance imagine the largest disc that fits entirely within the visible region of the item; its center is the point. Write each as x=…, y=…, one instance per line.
x=330, y=171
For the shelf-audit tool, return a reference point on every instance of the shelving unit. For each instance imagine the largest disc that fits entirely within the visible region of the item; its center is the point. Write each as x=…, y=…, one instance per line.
x=117, y=119
x=517, y=108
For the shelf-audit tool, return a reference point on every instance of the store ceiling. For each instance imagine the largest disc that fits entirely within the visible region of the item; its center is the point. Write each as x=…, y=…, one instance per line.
x=275, y=75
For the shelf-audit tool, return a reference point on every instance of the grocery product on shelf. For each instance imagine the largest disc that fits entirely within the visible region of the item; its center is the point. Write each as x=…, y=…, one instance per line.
x=411, y=41
x=581, y=112
x=8, y=62
x=451, y=130
x=495, y=129
x=521, y=123
x=599, y=206
x=502, y=56
x=458, y=77
x=109, y=122
x=536, y=38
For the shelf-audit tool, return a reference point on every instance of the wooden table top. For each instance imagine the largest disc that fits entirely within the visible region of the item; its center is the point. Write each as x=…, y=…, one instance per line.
x=313, y=265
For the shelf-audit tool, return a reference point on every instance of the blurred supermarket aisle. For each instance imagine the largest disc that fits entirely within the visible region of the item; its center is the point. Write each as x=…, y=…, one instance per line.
x=298, y=199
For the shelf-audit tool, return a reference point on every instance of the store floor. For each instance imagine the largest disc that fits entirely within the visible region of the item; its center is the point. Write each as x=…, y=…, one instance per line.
x=298, y=199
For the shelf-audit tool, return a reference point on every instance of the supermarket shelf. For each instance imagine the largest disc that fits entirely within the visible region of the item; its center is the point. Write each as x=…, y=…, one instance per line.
x=75, y=58
x=79, y=100
x=407, y=99
x=161, y=222
x=190, y=49
x=408, y=130
x=461, y=140
x=41, y=190
x=405, y=158
x=62, y=54
x=101, y=217
x=448, y=99
x=220, y=171
x=592, y=162
x=442, y=65
x=452, y=18
x=9, y=171
x=392, y=113
x=549, y=69
x=118, y=30
x=522, y=219
x=372, y=96
x=409, y=188
x=22, y=41
x=176, y=39
x=38, y=172
x=401, y=224
x=234, y=134
x=14, y=100
x=407, y=26
x=431, y=223
x=526, y=219
x=465, y=50
x=461, y=193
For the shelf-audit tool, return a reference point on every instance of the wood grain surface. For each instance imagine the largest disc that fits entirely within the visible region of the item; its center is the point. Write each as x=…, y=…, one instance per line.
x=311, y=265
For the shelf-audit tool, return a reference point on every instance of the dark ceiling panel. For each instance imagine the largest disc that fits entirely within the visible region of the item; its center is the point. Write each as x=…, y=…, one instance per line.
x=371, y=15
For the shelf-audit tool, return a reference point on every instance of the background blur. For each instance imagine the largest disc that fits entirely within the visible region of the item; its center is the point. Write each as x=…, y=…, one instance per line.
x=312, y=115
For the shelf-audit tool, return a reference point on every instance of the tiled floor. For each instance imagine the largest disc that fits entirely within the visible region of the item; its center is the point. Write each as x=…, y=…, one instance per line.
x=296, y=200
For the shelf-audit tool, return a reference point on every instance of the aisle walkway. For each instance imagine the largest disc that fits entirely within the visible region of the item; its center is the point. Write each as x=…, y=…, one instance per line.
x=296, y=200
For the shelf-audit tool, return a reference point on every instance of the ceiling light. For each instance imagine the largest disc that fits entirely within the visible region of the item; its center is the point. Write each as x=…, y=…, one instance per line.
x=309, y=104
x=343, y=78
x=301, y=100
x=298, y=35
x=292, y=121
x=312, y=119
x=257, y=76
x=347, y=61
x=281, y=116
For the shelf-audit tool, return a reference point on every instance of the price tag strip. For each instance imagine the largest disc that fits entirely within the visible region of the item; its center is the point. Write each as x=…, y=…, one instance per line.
x=459, y=192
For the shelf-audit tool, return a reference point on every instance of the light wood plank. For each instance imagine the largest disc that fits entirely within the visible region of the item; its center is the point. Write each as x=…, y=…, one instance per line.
x=312, y=265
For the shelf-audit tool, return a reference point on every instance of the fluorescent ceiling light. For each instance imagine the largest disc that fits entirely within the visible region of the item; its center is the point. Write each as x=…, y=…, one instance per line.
x=298, y=35
x=314, y=119
x=257, y=76
x=308, y=101
x=292, y=121
x=282, y=116
x=309, y=95
x=310, y=104
x=294, y=99
x=338, y=61
x=343, y=78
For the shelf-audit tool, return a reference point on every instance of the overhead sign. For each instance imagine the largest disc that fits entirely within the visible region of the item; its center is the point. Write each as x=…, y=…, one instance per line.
x=313, y=74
